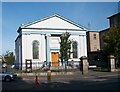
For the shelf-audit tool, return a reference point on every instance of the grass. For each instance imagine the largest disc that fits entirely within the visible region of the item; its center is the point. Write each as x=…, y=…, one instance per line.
x=15, y=71
x=12, y=70
x=99, y=69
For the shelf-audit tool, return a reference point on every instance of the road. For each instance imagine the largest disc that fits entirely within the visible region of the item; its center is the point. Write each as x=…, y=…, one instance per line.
x=65, y=82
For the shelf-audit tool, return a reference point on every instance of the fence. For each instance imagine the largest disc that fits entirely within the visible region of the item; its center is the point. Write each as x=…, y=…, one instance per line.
x=44, y=66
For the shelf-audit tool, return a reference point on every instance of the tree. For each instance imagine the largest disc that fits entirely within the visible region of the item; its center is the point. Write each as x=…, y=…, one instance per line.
x=112, y=41
x=65, y=47
x=9, y=57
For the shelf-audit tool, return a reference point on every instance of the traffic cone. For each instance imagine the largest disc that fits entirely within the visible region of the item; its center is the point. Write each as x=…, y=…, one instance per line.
x=36, y=81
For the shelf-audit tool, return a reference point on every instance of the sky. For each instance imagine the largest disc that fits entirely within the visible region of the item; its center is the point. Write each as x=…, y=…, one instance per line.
x=16, y=13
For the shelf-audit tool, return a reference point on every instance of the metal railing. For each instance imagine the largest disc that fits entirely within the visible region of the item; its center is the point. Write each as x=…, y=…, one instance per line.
x=44, y=66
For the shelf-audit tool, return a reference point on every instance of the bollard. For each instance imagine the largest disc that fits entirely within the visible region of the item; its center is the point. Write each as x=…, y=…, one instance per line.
x=48, y=75
x=36, y=81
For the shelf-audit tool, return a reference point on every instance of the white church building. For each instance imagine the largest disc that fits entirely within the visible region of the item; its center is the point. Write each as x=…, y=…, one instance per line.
x=38, y=41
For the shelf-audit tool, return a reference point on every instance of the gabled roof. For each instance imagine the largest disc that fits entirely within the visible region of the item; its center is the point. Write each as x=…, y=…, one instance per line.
x=92, y=31
x=114, y=15
x=107, y=29
x=54, y=15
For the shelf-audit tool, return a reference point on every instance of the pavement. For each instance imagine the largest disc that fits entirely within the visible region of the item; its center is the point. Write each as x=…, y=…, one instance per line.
x=70, y=75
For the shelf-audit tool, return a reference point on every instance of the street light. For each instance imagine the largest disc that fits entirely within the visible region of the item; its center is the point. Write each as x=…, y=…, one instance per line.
x=99, y=58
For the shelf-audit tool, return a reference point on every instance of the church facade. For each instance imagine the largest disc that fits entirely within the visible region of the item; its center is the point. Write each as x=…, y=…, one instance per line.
x=38, y=41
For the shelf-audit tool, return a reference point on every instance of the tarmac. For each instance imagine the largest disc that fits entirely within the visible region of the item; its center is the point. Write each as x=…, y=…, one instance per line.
x=74, y=80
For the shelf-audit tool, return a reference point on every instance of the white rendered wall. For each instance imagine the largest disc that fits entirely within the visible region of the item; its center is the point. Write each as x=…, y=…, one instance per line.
x=81, y=40
x=18, y=52
x=54, y=42
x=75, y=38
x=82, y=49
x=27, y=41
x=28, y=37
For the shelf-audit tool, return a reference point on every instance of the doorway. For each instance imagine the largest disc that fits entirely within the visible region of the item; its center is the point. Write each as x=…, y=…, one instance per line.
x=55, y=57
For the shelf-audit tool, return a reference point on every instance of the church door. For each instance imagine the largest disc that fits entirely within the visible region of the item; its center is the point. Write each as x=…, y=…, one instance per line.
x=55, y=57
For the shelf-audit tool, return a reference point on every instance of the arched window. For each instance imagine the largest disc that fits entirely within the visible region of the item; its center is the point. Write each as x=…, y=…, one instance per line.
x=35, y=47
x=75, y=49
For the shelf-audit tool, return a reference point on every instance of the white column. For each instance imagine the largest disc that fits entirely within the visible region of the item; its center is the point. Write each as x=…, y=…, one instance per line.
x=85, y=45
x=48, y=48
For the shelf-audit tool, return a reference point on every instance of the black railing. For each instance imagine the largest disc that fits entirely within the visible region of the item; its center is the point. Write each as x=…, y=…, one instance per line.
x=44, y=66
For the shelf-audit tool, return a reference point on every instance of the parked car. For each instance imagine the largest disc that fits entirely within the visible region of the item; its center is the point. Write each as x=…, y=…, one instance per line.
x=7, y=76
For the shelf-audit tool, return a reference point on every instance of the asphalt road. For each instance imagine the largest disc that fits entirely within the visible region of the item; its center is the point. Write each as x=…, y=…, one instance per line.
x=64, y=82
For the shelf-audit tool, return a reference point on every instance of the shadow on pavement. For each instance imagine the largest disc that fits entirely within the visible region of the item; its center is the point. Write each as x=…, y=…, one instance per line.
x=83, y=84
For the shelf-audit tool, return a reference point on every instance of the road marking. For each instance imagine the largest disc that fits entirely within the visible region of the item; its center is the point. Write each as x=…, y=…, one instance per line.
x=66, y=82
x=99, y=79
x=109, y=75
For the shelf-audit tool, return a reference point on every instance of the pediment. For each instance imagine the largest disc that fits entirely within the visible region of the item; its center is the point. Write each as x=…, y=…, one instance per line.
x=54, y=22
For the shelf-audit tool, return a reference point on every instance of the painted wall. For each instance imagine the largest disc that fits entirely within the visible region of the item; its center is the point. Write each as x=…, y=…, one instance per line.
x=52, y=26
x=18, y=52
x=27, y=42
x=94, y=44
x=29, y=37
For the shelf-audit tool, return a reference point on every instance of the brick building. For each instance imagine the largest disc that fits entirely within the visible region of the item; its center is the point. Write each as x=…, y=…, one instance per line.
x=93, y=46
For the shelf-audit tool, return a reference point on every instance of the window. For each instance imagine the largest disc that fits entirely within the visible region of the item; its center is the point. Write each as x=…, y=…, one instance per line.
x=75, y=49
x=35, y=47
x=94, y=35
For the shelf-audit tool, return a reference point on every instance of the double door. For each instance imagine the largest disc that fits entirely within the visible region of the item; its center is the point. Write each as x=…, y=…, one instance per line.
x=55, y=58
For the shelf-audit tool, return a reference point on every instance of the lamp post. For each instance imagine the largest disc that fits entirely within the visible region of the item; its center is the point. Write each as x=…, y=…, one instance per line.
x=99, y=57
